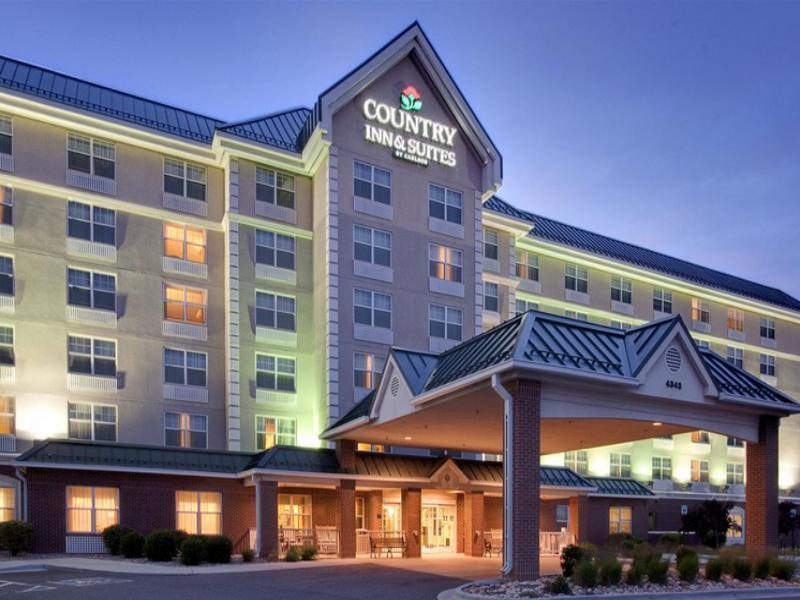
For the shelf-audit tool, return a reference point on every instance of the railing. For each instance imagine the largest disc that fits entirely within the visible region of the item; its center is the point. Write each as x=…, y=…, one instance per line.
x=324, y=539
x=553, y=542
x=245, y=542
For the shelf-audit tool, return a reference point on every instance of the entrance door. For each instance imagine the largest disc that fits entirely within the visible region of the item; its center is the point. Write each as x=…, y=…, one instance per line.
x=438, y=528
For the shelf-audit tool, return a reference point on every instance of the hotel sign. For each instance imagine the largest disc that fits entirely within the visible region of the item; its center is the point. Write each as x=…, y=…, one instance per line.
x=410, y=136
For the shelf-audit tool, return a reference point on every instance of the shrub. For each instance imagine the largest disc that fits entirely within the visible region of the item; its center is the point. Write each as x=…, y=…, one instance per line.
x=218, y=549
x=159, y=546
x=729, y=556
x=559, y=585
x=308, y=552
x=670, y=540
x=132, y=545
x=761, y=567
x=193, y=550
x=714, y=569
x=178, y=535
x=617, y=539
x=634, y=575
x=684, y=551
x=643, y=556
x=292, y=555
x=742, y=569
x=571, y=555
x=783, y=569
x=248, y=555
x=112, y=537
x=657, y=572
x=688, y=567
x=610, y=571
x=585, y=574
x=16, y=537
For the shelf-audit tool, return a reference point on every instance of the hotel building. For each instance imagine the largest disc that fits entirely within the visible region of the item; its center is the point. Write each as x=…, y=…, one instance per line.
x=173, y=280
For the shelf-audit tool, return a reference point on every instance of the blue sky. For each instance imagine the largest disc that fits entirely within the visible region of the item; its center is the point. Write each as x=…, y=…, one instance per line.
x=674, y=125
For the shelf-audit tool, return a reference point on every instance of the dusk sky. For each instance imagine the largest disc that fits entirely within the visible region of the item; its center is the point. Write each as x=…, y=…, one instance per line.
x=674, y=125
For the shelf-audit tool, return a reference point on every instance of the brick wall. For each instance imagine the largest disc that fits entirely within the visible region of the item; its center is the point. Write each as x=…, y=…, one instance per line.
x=761, y=492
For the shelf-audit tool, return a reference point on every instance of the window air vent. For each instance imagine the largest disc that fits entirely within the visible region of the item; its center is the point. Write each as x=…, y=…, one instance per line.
x=395, y=386
x=674, y=360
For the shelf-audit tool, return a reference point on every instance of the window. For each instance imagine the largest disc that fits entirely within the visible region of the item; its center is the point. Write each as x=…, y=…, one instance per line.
x=372, y=183
x=527, y=266
x=7, y=345
x=662, y=468
x=562, y=515
x=620, y=464
x=92, y=290
x=91, y=223
x=6, y=132
x=576, y=279
x=701, y=437
x=735, y=320
x=699, y=471
x=620, y=519
x=578, y=316
x=275, y=311
x=367, y=369
x=734, y=442
x=491, y=297
x=275, y=249
x=735, y=475
x=182, y=430
x=736, y=357
x=184, y=179
x=372, y=245
x=767, y=365
x=7, y=420
x=6, y=275
x=275, y=373
x=91, y=509
x=6, y=206
x=360, y=520
x=96, y=422
x=184, y=304
x=444, y=204
x=8, y=504
x=524, y=306
x=185, y=242
x=577, y=460
x=182, y=367
x=274, y=188
x=662, y=300
x=372, y=308
x=294, y=511
x=90, y=156
x=490, y=244
x=767, y=329
x=275, y=431
x=701, y=311
x=445, y=262
x=198, y=513
x=621, y=290
x=91, y=356
x=736, y=530
x=445, y=322
x=703, y=344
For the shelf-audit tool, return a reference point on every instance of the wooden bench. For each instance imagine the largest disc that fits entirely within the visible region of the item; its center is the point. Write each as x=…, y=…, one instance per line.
x=387, y=543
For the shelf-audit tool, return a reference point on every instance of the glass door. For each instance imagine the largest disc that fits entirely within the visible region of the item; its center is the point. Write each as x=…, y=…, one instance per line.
x=438, y=528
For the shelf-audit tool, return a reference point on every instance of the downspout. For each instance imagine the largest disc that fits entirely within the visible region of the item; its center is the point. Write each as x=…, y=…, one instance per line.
x=23, y=492
x=508, y=471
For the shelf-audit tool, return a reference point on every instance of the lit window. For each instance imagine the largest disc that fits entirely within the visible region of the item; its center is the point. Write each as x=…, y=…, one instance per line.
x=6, y=133
x=701, y=437
x=294, y=511
x=367, y=369
x=662, y=468
x=577, y=460
x=736, y=518
x=360, y=518
x=701, y=311
x=444, y=204
x=182, y=367
x=699, y=471
x=275, y=431
x=662, y=300
x=184, y=179
x=6, y=206
x=527, y=266
x=767, y=329
x=275, y=249
x=372, y=308
x=735, y=320
x=372, y=245
x=91, y=356
x=767, y=365
x=91, y=509
x=274, y=188
x=524, y=306
x=91, y=290
x=7, y=420
x=198, y=513
x=735, y=357
x=182, y=430
x=735, y=474
x=445, y=262
x=7, y=345
x=490, y=244
x=91, y=223
x=621, y=290
x=620, y=464
x=185, y=242
x=6, y=276
x=275, y=311
x=275, y=373
x=576, y=279
x=620, y=519
x=8, y=504
x=372, y=183
x=91, y=156
x=445, y=322
x=184, y=304
x=96, y=422
x=578, y=316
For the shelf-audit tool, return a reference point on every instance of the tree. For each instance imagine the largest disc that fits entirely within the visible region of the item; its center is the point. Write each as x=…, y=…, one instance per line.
x=710, y=520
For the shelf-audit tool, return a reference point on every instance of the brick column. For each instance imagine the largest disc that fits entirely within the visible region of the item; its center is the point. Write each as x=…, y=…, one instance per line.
x=373, y=509
x=579, y=518
x=346, y=455
x=347, y=518
x=473, y=523
x=411, y=499
x=524, y=427
x=761, y=491
x=460, y=530
x=267, y=519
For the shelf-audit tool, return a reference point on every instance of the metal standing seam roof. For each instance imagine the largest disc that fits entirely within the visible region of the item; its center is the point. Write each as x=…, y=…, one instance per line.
x=282, y=130
x=618, y=486
x=416, y=367
x=735, y=381
x=641, y=342
x=555, y=231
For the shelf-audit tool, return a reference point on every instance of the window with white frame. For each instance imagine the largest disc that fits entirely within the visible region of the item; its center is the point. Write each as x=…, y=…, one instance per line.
x=91, y=156
x=185, y=242
x=6, y=275
x=662, y=468
x=91, y=509
x=734, y=442
x=735, y=474
x=446, y=263
x=621, y=290
x=360, y=513
x=767, y=365
x=445, y=204
x=662, y=300
x=6, y=206
x=491, y=297
x=491, y=244
x=620, y=519
x=701, y=437
x=562, y=515
x=367, y=369
x=273, y=187
x=701, y=311
x=372, y=183
x=735, y=320
x=91, y=223
x=767, y=328
x=7, y=345
x=183, y=430
x=198, y=513
x=703, y=344
x=578, y=316
x=276, y=373
x=527, y=265
x=275, y=311
x=699, y=471
x=577, y=460
x=446, y=322
x=620, y=464
x=372, y=245
x=275, y=249
x=735, y=357
x=620, y=325
x=372, y=308
x=88, y=421
x=525, y=305
x=576, y=278
x=8, y=426
x=184, y=179
x=294, y=511
x=6, y=134
x=91, y=290
x=91, y=356
x=184, y=304
x=275, y=431
x=183, y=367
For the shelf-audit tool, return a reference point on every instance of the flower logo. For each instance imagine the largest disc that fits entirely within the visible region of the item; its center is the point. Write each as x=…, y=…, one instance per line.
x=410, y=99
